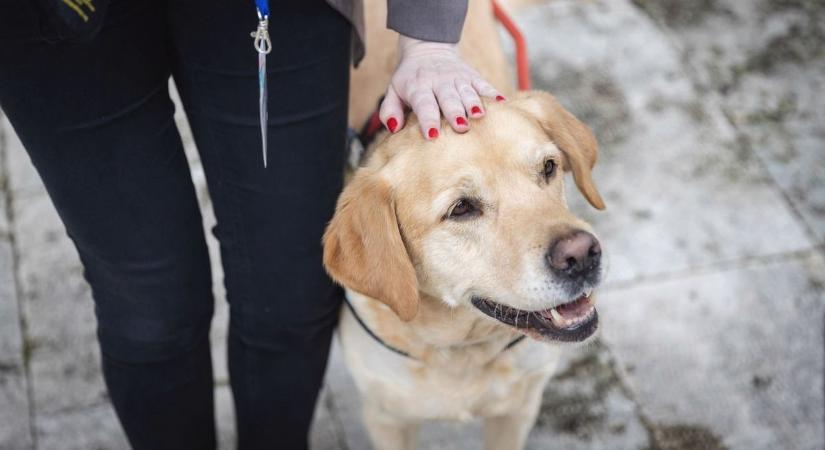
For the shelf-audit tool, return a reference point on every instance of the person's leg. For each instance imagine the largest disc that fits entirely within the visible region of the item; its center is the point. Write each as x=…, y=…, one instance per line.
x=96, y=120
x=270, y=220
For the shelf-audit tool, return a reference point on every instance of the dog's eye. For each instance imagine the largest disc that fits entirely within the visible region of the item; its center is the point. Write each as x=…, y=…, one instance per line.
x=462, y=209
x=549, y=169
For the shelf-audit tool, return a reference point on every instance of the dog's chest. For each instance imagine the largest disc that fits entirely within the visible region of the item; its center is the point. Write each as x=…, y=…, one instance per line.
x=458, y=390
x=501, y=388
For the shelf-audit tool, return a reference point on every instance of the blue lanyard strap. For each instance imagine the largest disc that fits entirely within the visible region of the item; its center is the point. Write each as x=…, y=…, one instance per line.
x=263, y=7
x=263, y=46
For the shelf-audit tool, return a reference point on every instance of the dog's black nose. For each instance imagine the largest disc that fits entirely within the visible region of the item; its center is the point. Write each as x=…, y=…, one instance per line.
x=574, y=254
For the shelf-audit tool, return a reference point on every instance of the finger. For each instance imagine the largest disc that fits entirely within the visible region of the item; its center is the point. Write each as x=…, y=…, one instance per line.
x=485, y=89
x=451, y=106
x=469, y=97
x=424, y=105
x=391, y=111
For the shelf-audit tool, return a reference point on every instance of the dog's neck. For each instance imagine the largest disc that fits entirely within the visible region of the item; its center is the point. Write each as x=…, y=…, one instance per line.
x=438, y=333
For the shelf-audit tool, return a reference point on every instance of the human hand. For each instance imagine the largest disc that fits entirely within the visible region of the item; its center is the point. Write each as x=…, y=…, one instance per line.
x=432, y=79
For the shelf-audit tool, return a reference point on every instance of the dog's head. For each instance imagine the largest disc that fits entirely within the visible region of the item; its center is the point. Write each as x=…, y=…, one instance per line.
x=477, y=220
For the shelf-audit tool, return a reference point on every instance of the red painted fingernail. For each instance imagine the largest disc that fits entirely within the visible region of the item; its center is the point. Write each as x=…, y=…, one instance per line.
x=500, y=98
x=475, y=110
x=392, y=124
x=461, y=121
x=433, y=133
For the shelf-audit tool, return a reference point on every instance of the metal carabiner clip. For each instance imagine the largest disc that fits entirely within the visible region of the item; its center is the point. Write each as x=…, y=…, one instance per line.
x=262, y=43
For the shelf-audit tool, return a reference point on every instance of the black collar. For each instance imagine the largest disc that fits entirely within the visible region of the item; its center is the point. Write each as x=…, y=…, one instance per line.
x=363, y=324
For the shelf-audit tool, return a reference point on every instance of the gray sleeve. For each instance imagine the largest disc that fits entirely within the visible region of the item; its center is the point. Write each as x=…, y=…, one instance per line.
x=428, y=20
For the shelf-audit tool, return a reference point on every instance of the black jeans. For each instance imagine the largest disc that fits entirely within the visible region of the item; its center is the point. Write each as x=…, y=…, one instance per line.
x=97, y=122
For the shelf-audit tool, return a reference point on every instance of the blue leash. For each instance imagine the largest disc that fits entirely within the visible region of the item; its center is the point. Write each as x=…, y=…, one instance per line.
x=263, y=46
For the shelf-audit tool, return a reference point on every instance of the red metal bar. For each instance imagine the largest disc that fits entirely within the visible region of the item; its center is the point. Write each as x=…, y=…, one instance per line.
x=522, y=63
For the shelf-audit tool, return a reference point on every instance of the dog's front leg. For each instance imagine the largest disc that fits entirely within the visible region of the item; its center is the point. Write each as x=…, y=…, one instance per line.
x=509, y=432
x=389, y=432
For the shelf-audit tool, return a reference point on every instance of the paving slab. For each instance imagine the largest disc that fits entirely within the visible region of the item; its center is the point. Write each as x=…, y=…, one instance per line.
x=220, y=320
x=766, y=61
x=326, y=432
x=92, y=427
x=733, y=355
x=217, y=336
x=681, y=191
x=23, y=179
x=224, y=417
x=4, y=135
x=4, y=223
x=14, y=403
x=15, y=410
x=587, y=406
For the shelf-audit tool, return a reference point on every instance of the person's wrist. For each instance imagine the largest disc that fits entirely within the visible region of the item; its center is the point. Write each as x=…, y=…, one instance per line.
x=408, y=46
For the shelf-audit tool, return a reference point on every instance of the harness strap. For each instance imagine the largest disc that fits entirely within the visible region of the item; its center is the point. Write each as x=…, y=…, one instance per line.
x=514, y=342
x=370, y=332
x=378, y=339
x=372, y=126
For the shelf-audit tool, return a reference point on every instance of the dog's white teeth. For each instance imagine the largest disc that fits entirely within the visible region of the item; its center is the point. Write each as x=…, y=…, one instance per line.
x=557, y=319
x=588, y=292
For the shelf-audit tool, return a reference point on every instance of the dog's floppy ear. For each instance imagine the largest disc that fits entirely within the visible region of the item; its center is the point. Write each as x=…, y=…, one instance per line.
x=571, y=136
x=363, y=248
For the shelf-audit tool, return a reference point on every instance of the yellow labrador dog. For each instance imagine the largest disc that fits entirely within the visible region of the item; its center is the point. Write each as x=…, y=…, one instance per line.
x=453, y=249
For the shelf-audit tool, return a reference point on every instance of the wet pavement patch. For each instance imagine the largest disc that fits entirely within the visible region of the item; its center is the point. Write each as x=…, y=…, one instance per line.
x=802, y=42
x=576, y=400
x=684, y=437
x=761, y=381
x=593, y=97
x=676, y=13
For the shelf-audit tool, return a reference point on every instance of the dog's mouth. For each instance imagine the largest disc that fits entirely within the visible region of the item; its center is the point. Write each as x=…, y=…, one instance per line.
x=573, y=321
